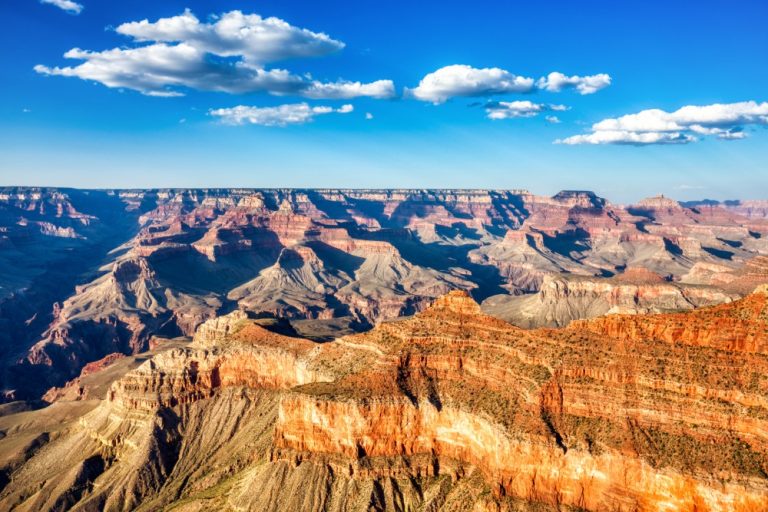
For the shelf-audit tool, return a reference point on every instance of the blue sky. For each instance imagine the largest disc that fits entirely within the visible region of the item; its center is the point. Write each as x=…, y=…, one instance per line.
x=708, y=56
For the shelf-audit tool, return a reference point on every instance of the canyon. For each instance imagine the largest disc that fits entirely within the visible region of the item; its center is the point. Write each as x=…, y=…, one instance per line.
x=567, y=311
x=339, y=350
x=450, y=409
x=88, y=273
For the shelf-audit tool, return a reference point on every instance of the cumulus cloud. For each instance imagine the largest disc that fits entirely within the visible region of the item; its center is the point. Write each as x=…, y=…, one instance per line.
x=342, y=90
x=282, y=115
x=517, y=109
x=701, y=118
x=654, y=126
x=65, y=5
x=160, y=69
x=552, y=119
x=229, y=54
x=556, y=82
x=461, y=80
x=257, y=40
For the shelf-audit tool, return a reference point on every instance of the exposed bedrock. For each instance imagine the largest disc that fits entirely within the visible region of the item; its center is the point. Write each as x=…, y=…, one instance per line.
x=449, y=409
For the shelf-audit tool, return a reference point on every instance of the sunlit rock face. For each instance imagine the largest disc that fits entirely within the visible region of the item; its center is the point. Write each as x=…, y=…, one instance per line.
x=563, y=298
x=450, y=409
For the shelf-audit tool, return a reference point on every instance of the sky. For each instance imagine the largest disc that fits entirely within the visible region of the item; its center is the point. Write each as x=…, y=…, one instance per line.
x=628, y=99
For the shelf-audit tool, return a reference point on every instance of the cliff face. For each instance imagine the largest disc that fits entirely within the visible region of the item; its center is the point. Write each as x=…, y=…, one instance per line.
x=528, y=471
x=741, y=280
x=448, y=410
x=736, y=327
x=562, y=299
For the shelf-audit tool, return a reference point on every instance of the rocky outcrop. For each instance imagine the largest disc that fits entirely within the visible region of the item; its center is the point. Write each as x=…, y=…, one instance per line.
x=542, y=474
x=219, y=328
x=448, y=409
x=659, y=202
x=736, y=327
x=562, y=299
x=739, y=280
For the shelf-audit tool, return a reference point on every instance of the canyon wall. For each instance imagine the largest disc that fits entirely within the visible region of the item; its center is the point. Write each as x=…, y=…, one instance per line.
x=450, y=409
x=91, y=273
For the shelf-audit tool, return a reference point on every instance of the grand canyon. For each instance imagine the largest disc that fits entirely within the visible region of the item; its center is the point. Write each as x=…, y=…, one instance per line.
x=349, y=256
x=319, y=349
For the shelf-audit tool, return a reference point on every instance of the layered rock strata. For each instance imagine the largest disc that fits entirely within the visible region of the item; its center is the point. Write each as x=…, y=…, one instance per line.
x=88, y=273
x=448, y=410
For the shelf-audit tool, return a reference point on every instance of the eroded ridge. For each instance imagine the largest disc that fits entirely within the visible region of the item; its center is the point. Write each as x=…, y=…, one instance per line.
x=447, y=410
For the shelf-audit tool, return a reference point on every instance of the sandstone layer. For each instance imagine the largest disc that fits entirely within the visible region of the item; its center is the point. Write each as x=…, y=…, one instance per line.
x=450, y=409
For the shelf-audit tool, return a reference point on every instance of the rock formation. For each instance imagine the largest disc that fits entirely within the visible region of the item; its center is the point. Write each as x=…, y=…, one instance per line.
x=563, y=298
x=450, y=409
x=84, y=274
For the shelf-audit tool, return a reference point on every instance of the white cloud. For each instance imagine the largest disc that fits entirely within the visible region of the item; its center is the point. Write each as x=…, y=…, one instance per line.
x=65, y=5
x=159, y=69
x=693, y=117
x=552, y=119
x=513, y=109
x=721, y=133
x=654, y=126
x=556, y=82
x=282, y=115
x=368, y=116
x=462, y=80
x=342, y=90
x=226, y=55
x=732, y=135
x=257, y=40
x=627, y=137
x=516, y=109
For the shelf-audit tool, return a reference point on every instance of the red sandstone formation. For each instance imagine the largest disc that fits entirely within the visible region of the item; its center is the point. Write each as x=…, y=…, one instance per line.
x=739, y=326
x=447, y=410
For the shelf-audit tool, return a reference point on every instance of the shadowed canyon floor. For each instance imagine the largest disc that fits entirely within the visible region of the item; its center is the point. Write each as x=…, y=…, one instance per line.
x=86, y=274
x=450, y=409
